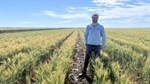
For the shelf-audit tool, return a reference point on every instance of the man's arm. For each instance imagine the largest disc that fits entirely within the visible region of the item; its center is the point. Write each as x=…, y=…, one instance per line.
x=103, y=34
x=86, y=35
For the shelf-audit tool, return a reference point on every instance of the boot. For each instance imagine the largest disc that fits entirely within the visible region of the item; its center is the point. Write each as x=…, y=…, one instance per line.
x=83, y=74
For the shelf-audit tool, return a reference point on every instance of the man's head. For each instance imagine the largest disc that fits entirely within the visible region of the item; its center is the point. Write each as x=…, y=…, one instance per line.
x=95, y=18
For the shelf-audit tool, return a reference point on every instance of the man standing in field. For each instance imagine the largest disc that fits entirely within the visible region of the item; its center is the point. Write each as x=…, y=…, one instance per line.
x=92, y=37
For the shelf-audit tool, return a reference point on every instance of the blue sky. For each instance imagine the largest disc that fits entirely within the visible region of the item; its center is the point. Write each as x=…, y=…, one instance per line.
x=74, y=13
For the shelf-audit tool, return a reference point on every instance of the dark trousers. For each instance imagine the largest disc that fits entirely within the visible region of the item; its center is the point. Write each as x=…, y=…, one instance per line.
x=89, y=49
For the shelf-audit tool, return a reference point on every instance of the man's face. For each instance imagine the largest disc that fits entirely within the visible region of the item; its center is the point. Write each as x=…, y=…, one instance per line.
x=95, y=18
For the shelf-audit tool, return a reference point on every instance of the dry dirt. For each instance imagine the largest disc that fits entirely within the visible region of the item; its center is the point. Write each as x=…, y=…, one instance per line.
x=78, y=65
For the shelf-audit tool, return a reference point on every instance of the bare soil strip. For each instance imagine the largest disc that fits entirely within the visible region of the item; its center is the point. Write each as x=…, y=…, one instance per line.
x=78, y=64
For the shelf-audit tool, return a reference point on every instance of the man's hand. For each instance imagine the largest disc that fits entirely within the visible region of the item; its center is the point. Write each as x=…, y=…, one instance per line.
x=101, y=47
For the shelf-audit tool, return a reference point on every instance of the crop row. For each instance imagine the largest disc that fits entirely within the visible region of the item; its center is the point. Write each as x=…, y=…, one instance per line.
x=12, y=44
x=55, y=71
x=15, y=69
x=126, y=62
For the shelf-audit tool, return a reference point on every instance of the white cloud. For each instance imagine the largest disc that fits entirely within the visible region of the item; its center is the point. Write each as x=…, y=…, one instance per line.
x=61, y=22
x=122, y=12
x=90, y=9
x=118, y=12
x=109, y=2
x=130, y=22
x=67, y=15
x=70, y=8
